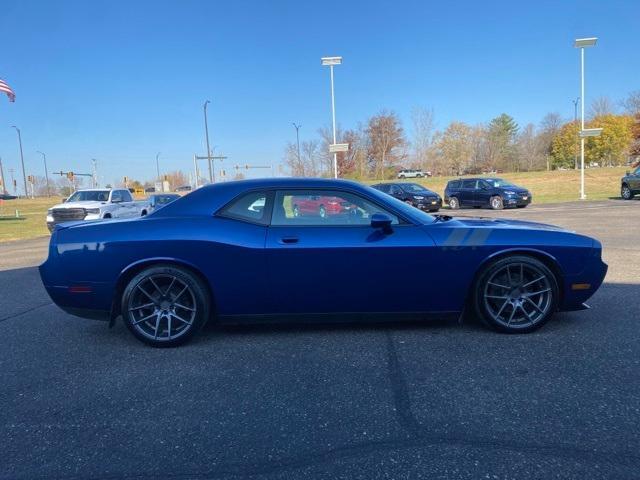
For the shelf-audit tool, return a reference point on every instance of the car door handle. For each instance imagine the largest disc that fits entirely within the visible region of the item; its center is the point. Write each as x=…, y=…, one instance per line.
x=289, y=240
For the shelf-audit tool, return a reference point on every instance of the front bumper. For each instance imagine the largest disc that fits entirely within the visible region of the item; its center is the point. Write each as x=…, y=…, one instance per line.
x=593, y=274
x=428, y=204
x=52, y=222
x=517, y=200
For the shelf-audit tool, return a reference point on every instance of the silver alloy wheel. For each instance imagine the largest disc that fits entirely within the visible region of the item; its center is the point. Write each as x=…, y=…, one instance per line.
x=296, y=211
x=453, y=203
x=626, y=192
x=322, y=211
x=496, y=203
x=162, y=307
x=518, y=295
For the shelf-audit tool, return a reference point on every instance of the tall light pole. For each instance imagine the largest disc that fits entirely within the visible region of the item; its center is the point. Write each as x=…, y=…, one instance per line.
x=330, y=62
x=297, y=127
x=582, y=43
x=575, y=121
x=24, y=175
x=158, y=166
x=94, y=165
x=212, y=175
x=46, y=173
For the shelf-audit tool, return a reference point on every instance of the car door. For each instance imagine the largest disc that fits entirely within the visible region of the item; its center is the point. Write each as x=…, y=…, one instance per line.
x=397, y=192
x=467, y=192
x=116, y=204
x=340, y=264
x=634, y=180
x=129, y=207
x=482, y=193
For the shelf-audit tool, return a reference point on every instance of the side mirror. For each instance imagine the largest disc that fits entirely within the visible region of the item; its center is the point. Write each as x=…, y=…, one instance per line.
x=382, y=222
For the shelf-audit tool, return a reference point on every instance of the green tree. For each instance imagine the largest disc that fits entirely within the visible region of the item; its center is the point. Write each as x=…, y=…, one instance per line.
x=503, y=131
x=455, y=147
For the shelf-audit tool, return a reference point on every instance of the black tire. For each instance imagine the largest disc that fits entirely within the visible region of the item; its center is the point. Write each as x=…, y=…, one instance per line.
x=107, y=215
x=143, y=213
x=433, y=210
x=454, y=203
x=520, y=206
x=490, y=281
x=162, y=311
x=496, y=203
x=625, y=192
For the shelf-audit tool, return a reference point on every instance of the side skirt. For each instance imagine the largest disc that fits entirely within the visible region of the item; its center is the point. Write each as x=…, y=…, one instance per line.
x=346, y=317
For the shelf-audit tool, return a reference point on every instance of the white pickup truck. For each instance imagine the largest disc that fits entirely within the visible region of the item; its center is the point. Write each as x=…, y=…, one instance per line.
x=95, y=204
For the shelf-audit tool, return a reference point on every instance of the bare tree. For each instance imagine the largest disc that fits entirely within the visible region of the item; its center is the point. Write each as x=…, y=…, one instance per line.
x=387, y=142
x=601, y=106
x=455, y=147
x=423, y=132
x=631, y=104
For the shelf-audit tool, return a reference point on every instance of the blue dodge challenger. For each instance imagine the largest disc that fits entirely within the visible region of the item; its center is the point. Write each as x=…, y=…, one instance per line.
x=313, y=250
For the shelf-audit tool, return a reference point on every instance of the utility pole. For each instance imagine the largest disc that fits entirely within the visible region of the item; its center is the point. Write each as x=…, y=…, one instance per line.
x=94, y=172
x=46, y=173
x=13, y=181
x=24, y=175
x=212, y=176
x=575, y=121
x=4, y=180
x=330, y=62
x=297, y=127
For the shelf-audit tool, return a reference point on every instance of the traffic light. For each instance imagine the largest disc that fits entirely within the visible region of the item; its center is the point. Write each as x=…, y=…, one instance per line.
x=30, y=178
x=246, y=166
x=125, y=180
x=70, y=176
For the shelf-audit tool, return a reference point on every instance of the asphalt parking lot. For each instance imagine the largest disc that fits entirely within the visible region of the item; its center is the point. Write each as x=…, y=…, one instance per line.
x=437, y=400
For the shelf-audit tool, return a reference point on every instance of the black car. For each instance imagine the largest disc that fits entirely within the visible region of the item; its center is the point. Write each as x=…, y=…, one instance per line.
x=413, y=194
x=630, y=184
x=494, y=193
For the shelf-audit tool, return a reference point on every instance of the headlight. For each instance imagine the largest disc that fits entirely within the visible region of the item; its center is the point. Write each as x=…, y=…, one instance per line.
x=418, y=197
x=92, y=211
x=509, y=192
x=49, y=211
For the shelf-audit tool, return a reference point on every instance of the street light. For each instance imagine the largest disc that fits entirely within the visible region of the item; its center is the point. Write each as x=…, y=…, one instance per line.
x=575, y=121
x=212, y=174
x=158, y=166
x=297, y=127
x=330, y=62
x=24, y=175
x=582, y=43
x=46, y=173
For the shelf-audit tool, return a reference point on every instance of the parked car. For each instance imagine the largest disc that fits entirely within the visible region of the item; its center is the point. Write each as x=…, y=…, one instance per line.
x=318, y=205
x=412, y=193
x=184, y=188
x=630, y=184
x=94, y=204
x=191, y=262
x=6, y=196
x=150, y=190
x=156, y=201
x=494, y=193
x=412, y=173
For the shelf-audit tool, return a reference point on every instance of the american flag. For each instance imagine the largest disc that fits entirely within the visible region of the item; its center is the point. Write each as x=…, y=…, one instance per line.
x=4, y=87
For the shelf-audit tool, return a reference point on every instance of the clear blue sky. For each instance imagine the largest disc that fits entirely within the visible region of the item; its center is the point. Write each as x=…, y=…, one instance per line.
x=120, y=81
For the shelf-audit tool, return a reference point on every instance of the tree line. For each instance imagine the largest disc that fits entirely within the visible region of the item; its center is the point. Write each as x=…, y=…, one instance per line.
x=380, y=146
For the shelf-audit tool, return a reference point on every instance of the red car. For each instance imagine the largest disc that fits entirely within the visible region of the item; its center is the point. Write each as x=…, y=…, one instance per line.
x=318, y=206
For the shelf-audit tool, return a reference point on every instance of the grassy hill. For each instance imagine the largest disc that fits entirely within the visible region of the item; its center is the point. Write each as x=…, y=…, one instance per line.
x=546, y=187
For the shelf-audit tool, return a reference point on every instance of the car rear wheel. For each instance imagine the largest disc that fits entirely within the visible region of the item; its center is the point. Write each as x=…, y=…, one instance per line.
x=454, y=204
x=496, y=203
x=164, y=306
x=296, y=211
x=625, y=192
x=516, y=294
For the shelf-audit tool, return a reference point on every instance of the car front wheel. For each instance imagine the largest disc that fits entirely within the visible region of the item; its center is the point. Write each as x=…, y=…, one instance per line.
x=454, y=204
x=165, y=305
x=625, y=192
x=516, y=294
x=496, y=203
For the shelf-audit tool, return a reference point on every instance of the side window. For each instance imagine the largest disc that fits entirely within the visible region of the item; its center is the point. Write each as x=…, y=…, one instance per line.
x=324, y=207
x=396, y=190
x=251, y=207
x=116, y=196
x=383, y=188
x=126, y=196
x=471, y=184
x=454, y=185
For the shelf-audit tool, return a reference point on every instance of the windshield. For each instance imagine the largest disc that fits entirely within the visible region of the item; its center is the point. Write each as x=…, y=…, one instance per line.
x=164, y=199
x=414, y=187
x=498, y=182
x=90, y=196
x=405, y=208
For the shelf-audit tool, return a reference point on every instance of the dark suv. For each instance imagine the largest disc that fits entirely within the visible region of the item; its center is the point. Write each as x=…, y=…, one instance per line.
x=630, y=184
x=413, y=194
x=494, y=193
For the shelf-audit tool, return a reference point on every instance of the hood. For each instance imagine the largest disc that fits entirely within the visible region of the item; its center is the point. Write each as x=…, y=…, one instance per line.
x=475, y=222
x=79, y=205
x=424, y=193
